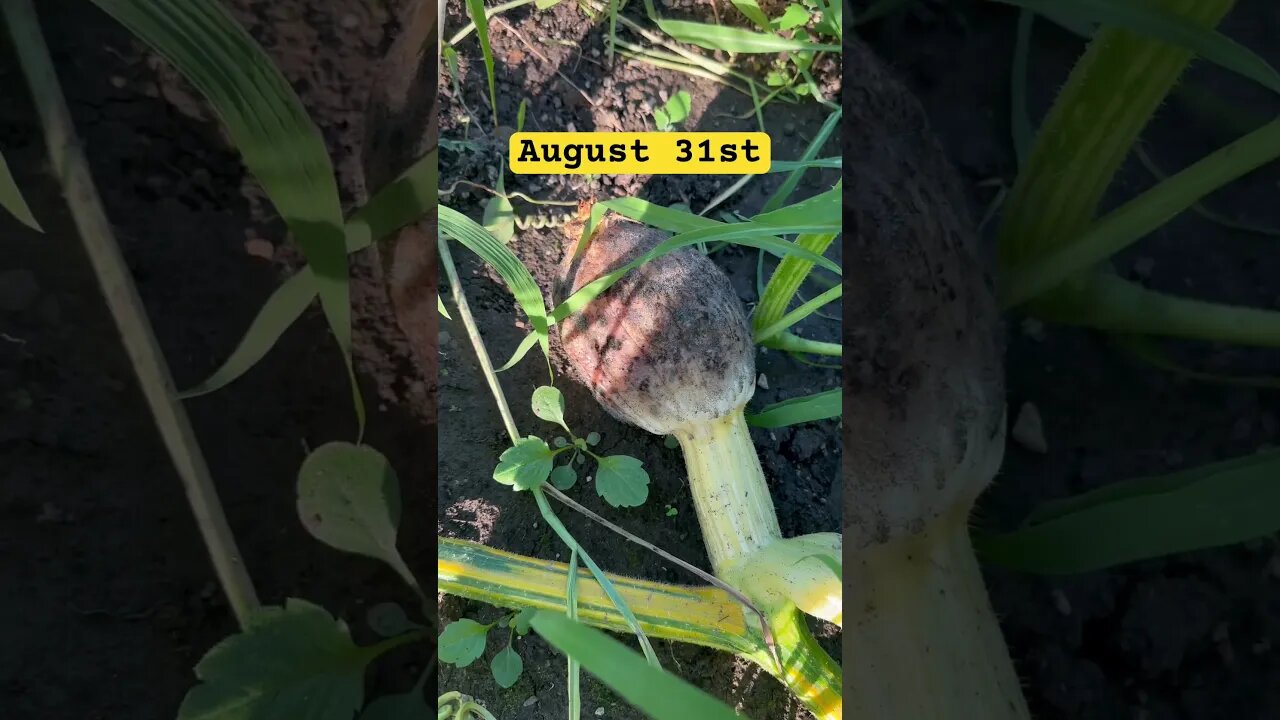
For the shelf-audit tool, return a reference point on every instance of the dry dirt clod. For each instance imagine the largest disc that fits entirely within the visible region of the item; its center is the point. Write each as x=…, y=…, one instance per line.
x=1028, y=429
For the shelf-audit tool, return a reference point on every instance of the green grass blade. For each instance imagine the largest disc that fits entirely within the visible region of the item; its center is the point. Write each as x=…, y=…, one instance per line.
x=11, y=198
x=475, y=8
x=1103, y=301
x=1153, y=21
x=522, y=285
x=521, y=350
x=1144, y=214
x=574, y=679
x=736, y=40
x=401, y=202
x=1221, y=504
x=750, y=234
x=1200, y=209
x=279, y=143
x=1019, y=120
x=676, y=221
x=1108, y=99
x=768, y=332
x=823, y=207
x=792, y=165
x=815, y=146
x=1146, y=350
x=285, y=305
x=819, y=406
x=658, y=694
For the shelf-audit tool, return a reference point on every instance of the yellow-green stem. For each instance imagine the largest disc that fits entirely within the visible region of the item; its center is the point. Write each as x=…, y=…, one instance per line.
x=928, y=643
x=734, y=508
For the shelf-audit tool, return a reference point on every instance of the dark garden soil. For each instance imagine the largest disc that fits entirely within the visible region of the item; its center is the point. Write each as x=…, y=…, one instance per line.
x=1191, y=637
x=556, y=61
x=107, y=595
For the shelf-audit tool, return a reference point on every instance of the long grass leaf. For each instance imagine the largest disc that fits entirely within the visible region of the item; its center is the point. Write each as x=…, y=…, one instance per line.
x=11, y=198
x=1142, y=215
x=794, y=411
x=815, y=146
x=476, y=9
x=279, y=143
x=658, y=694
x=1150, y=20
x=737, y=40
x=786, y=281
x=455, y=225
x=1221, y=504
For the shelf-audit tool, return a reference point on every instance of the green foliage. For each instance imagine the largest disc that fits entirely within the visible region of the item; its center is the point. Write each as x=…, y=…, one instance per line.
x=622, y=481
x=506, y=667
x=525, y=465
x=675, y=110
x=462, y=642
x=548, y=404
x=289, y=662
x=279, y=143
x=657, y=693
x=1217, y=504
x=794, y=411
x=349, y=499
x=563, y=477
x=475, y=8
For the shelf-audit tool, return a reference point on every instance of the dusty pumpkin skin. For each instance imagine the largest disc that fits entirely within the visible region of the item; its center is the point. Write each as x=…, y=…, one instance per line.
x=665, y=346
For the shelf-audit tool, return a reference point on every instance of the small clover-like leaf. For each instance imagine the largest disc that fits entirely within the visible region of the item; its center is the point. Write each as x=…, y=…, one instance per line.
x=548, y=404
x=622, y=481
x=389, y=620
x=462, y=642
x=521, y=620
x=559, y=441
x=349, y=499
x=593, y=438
x=506, y=667
x=563, y=477
x=407, y=706
x=524, y=465
x=289, y=662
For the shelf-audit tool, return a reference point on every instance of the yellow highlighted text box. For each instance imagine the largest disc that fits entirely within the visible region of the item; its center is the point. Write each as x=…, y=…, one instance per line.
x=639, y=153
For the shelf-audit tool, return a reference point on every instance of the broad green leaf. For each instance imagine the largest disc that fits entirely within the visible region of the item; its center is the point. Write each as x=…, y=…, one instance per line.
x=795, y=411
x=563, y=477
x=525, y=465
x=462, y=642
x=548, y=404
x=279, y=143
x=506, y=667
x=290, y=662
x=405, y=706
x=475, y=8
x=11, y=198
x=388, y=619
x=793, y=17
x=622, y=481
x=1221, y=504
x=349, y=499
x=659, y=694
x=1152, y=21
x=674, y=110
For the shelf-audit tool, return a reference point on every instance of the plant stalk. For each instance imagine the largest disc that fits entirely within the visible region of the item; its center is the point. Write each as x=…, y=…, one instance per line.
x=928, y=643
x=735, y=510
x=126, y=307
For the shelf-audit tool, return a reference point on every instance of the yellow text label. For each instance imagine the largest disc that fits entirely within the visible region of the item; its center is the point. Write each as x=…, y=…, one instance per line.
x=639, y=153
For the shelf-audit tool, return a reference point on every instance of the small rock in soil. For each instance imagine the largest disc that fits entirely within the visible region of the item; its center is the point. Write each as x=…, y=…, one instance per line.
x=18, y=290
x=259, y=248
x=763, y=382
x=1028, y=429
